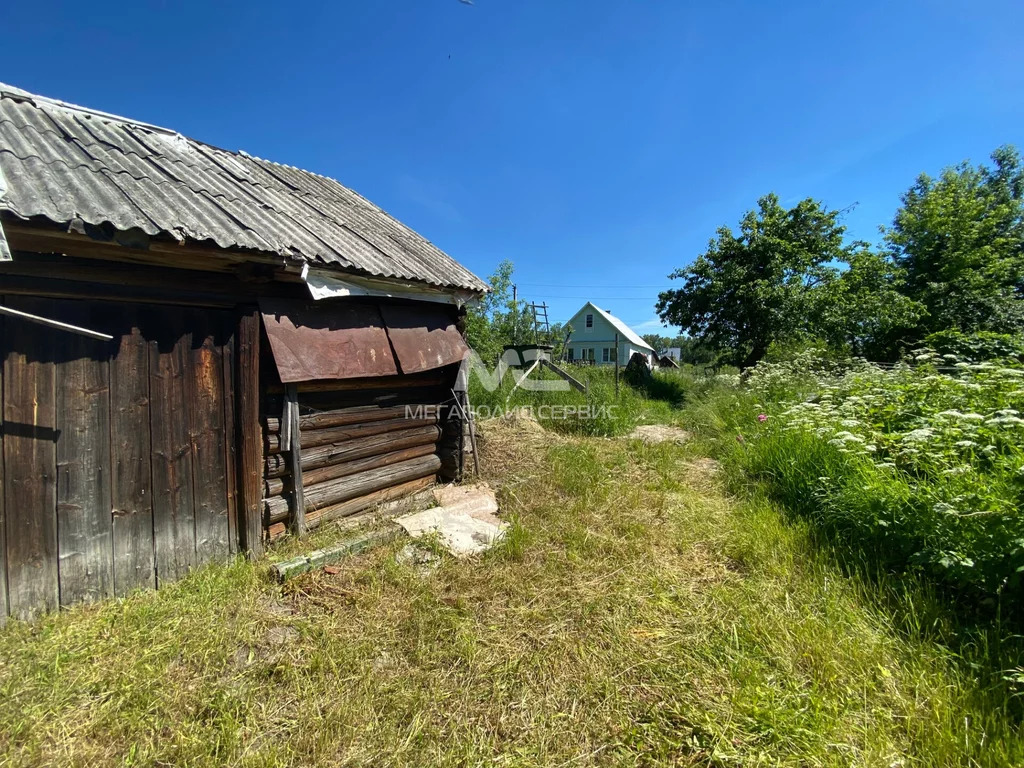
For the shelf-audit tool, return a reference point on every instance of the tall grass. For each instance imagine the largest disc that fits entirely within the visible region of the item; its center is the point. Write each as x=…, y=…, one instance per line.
x=912, y=478
x=638, y=615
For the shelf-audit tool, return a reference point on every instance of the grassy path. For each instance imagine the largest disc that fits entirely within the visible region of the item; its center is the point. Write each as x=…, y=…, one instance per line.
x=636, y=615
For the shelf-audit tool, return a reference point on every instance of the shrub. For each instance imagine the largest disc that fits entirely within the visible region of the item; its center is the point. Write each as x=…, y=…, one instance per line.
x=919, y=467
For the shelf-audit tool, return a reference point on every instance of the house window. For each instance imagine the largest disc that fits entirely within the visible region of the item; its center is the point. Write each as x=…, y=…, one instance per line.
x=570, y=354
x=590, y=321
x=590, y=354
x=604, y=355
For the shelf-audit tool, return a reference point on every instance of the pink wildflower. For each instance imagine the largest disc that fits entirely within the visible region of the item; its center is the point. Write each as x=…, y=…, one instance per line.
x=762, y=417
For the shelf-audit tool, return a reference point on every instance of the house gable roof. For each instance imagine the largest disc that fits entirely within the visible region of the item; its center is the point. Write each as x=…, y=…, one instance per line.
x=69, y=165
x=624, y=330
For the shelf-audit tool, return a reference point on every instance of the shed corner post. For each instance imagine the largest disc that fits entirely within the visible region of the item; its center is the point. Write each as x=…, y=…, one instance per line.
x=250, y=433
x=290, y=417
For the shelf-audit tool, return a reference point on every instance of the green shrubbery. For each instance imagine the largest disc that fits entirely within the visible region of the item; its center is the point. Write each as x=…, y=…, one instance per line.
x=919, y=467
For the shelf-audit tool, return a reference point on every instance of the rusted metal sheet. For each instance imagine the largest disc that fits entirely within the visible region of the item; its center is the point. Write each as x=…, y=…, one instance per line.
x=334, y=341
x=424, y=337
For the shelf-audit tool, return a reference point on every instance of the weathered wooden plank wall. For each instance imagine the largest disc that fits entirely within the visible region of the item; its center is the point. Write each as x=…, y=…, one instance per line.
x=84, y=530
x=118, y=459
x=131, y=473
x=206, y=398
x=174, y=518
x=30, y=464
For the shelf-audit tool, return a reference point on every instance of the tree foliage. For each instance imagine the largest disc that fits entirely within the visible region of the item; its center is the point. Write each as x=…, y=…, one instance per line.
x=960, y=241
x=757, y=286
x=953, y=259
x=863, y=311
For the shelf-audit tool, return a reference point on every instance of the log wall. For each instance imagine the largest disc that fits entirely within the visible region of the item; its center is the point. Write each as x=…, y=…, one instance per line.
x=356, y=448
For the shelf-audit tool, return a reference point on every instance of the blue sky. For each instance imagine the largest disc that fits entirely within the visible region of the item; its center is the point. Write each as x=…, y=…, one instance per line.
x=597, y=144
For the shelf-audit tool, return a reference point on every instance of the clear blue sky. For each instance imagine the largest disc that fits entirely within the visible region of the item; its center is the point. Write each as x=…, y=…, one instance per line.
x=595, y=143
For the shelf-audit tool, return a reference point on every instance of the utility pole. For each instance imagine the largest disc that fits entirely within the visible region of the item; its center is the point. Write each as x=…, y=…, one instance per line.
x=616, y=366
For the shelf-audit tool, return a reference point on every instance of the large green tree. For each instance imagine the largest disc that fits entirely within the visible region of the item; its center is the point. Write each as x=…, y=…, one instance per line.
x=960, y=240
x=863, y=311
x=759, y=285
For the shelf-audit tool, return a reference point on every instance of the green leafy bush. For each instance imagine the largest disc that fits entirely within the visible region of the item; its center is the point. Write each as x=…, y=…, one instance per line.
x=920, y=467
x=977, y=347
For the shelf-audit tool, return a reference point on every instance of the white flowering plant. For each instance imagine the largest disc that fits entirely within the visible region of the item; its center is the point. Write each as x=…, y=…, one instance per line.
x=921, y=464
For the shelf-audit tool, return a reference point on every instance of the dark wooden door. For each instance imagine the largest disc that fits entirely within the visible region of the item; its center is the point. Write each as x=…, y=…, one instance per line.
x=118, y=466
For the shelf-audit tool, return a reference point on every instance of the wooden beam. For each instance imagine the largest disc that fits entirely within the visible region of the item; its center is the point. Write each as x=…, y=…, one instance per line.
x=275, y=486
x=346, y=508
x=565, y=375
x=250, y=436
x=294, y=448
x=313, y=438
x=314, y=458
x=24, y=237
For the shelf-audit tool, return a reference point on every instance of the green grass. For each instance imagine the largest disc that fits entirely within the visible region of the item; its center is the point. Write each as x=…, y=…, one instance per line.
x=636, y=615
x=609, y=414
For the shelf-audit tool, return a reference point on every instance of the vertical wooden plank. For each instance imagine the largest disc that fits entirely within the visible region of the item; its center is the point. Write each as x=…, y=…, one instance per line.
x=206, y=404
x=30, y=464
x=3, y=524
x=230, y=452
x=250, y=433
x=130, y=463
x=174, y=520
x=84, y=531
x=291, y=398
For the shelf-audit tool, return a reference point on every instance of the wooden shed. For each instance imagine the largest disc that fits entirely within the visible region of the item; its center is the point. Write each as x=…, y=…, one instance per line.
x=252, y=347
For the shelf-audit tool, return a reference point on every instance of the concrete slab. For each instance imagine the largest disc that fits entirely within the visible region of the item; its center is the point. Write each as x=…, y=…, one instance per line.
x=466, y=524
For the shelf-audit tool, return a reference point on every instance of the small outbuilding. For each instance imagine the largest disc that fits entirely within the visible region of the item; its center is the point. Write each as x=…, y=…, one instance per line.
x=201, y=349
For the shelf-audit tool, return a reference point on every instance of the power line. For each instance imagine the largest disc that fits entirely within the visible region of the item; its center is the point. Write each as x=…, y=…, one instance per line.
x=594, y=285
x=598, y=298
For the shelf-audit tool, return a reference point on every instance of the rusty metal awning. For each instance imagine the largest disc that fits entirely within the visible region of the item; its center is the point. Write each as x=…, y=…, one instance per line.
x=334, y=340
x=311, y=342
x=423, y=337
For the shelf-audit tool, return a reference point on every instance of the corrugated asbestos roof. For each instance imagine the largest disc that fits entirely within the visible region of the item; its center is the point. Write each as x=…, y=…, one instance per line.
x=63, y=163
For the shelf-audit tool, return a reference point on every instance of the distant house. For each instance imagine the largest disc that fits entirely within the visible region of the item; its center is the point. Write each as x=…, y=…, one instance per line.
x=593, y=338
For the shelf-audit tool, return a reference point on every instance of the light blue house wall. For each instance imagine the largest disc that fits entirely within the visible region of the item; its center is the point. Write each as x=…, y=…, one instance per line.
x=597, y=341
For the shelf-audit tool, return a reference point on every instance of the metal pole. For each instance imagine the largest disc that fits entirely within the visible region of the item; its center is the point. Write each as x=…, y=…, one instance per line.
x=616, y=366
x=55, y=324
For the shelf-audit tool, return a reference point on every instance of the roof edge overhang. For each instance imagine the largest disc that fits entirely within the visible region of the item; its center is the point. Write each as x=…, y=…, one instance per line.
x=44, y=235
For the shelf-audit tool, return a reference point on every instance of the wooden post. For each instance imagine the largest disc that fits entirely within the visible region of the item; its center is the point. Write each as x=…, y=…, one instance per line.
x=250, y=433
x=290, y=427
x=616, y=366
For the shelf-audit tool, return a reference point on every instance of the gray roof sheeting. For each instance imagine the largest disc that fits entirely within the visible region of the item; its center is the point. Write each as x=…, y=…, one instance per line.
x=63, y=163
